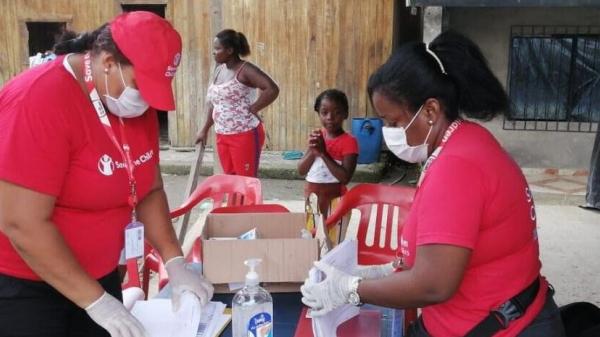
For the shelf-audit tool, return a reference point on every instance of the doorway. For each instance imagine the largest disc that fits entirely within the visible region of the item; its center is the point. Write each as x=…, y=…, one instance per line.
x=408, y=25
x=163, y=118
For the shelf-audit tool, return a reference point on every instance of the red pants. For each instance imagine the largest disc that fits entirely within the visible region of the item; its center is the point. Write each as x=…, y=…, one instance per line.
x=240, y=153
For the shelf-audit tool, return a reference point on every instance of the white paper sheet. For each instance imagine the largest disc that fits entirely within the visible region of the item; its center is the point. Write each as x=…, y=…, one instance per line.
x=159, y=320
x=210, y=319
x=343, y=257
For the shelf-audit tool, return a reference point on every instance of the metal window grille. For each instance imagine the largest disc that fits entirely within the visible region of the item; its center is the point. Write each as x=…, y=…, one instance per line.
x=554, y=78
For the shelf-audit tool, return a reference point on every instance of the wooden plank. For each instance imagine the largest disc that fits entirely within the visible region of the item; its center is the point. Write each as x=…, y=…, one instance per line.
x=193, y=20
x=217, y=18
x=79, y=15
x=181, y=226
x=144, y=2
x=309, y=45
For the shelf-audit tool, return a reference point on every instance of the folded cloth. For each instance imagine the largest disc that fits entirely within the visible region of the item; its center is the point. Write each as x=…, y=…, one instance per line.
x=292, y=155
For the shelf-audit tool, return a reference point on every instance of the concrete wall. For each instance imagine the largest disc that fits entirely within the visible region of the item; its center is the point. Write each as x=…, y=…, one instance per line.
x=490, y=29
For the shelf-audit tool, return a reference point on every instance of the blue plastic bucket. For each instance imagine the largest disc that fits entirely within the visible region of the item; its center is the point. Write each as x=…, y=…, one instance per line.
x=368, y=134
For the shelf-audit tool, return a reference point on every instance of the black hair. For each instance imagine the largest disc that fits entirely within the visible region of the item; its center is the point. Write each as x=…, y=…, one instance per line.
x=95, y=41
x=412, y=75
x=237, y=41
x=65, y=35
x=338, y=96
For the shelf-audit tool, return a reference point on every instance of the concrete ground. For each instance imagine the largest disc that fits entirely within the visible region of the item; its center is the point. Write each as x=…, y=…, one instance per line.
x=569, y=236
x=272, y=165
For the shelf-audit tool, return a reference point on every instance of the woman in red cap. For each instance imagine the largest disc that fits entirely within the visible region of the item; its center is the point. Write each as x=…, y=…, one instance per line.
x=79, y=149
x=240, y=133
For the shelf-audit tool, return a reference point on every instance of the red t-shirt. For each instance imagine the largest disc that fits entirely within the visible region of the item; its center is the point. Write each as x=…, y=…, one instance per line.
x=340, y=146
x=52, y=142
x=475, y=196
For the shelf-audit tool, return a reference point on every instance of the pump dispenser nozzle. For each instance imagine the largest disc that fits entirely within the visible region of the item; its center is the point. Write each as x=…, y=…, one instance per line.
x=252, y=275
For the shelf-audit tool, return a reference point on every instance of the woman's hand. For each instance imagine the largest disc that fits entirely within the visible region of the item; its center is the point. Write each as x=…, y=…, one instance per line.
x=109, y=313
x=253, y=77
x=253, y=110
x=183, y=277
x=202, y=137
x=330, y=293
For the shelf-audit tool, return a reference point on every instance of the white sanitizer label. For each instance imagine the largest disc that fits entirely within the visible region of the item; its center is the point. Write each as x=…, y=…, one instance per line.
x=260, y=325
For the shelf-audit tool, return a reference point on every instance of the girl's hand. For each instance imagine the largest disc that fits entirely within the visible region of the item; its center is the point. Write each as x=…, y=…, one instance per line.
x=316, y=142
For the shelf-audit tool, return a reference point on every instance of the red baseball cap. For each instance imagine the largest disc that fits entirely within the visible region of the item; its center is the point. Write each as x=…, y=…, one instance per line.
x=153, y=46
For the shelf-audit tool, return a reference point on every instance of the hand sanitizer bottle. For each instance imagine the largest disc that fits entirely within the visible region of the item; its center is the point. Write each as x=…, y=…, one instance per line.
x=252, y=307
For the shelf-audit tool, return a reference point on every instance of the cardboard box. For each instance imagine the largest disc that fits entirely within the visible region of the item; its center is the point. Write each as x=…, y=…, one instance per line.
x=286, y=258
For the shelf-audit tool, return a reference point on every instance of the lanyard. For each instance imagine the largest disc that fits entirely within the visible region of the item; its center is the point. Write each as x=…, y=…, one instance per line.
x=449, y=132
x=124, y=149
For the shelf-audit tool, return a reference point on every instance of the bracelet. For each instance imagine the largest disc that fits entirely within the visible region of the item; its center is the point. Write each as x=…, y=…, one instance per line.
x=399, y=263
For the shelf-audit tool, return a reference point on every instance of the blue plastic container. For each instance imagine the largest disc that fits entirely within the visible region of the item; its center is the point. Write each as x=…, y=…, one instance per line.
x=368, y=134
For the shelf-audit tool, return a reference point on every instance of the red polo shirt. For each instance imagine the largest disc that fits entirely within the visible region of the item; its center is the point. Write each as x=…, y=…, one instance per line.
x=52, y=142
x=474, y=196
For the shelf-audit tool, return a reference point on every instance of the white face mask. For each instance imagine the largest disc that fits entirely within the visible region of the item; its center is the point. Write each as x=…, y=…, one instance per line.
x=396, y=141
x=130, y=103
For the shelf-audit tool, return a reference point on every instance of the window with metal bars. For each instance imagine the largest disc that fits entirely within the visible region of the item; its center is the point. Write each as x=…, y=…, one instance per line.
x=554, y=78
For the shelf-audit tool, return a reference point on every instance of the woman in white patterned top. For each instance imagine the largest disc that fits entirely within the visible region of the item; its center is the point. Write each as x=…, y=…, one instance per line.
x=232, y=107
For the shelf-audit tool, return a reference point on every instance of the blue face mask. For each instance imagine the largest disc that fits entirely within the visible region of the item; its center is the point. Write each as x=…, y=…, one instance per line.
x=396, y=141
x=130, y=103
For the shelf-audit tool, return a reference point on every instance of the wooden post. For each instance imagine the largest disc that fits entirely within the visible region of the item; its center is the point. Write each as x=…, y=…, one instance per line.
x=182, y=222
x=216, y=25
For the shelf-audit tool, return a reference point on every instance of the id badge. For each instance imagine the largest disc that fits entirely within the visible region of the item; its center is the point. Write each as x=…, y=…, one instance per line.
x=134, y=240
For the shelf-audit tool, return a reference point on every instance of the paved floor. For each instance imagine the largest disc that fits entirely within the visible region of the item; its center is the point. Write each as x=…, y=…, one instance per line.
x=272, y=165
x=569, y=236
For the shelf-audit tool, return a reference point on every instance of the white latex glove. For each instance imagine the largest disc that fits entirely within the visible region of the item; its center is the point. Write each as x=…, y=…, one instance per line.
x=112, y=315
x=183, y=277
x=370, y=272
x=330, y=293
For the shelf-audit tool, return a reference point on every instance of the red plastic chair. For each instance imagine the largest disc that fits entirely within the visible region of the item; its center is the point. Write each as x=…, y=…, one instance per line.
x=387, y=206
x=260, y=208
x=223, y=190
x=376, y=203
x=133, y=276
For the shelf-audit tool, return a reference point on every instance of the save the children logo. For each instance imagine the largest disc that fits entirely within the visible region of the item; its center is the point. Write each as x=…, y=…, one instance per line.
x=532, y=215
x=106, y=165
x=171, y=69
x=529, y=197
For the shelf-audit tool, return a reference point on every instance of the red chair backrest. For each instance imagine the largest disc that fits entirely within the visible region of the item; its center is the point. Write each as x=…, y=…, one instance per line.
x=381, y=206
x=259, y=208
x=223, y=190
x=133, y=276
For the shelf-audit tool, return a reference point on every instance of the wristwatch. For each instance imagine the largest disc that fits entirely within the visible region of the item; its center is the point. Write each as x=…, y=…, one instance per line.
x=353, y=297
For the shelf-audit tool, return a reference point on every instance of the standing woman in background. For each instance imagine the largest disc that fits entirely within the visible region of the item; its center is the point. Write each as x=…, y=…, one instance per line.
x=231, y=105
